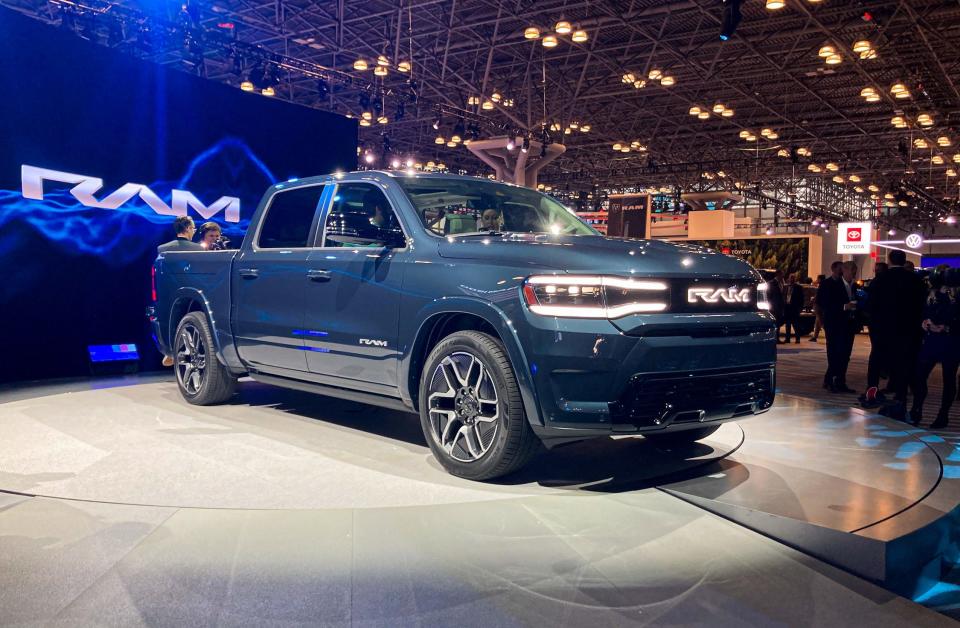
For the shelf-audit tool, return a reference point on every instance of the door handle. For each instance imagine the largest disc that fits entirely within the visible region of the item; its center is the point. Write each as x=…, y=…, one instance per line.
x=319, y=275
x=249, y=273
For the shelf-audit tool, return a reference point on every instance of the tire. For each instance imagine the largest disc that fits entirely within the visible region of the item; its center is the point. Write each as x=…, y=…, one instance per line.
x=470, y=408
x=683, y=437
x=202, y=380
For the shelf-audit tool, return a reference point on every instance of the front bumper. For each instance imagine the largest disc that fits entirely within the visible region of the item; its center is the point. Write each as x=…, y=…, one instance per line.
x=671, y=373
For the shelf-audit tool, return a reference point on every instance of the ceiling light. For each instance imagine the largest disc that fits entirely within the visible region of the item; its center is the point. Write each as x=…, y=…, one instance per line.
x=268, y=91
x=383, y=62
x=555, y=126
x=744, y=134
x=868, y=54
x=783, y=152
x=382, y=120
x=668, y=81
x=943, y=140
x=563, y=27
x=694, y=110
x=832, y=167
x=366, y=115
x=655, y=74
x=719, y=107
x=937, y=159
x=360, y=64
x=827, y=50
x=584, y=128
x=833, y=60
x=451, y=144
x=888, y=196
x=628, y=78
x=867, y=91
x=487, y=105
x=567, y=131
x=617, y=146
x=956, y=158
x=897, y=121
x=403, y=66
x=838, y=179
x=775, y=5
x=751, y=138
x=473, y=100
x=639, y=84
x=625, y=149
x=364, y=122
x=855, y=178
x=924, y=119
x=580, y=36
x=814, y=168
x=803, y=151
x=873, y=187
x=862, y=46
x=896, y=88
x=574, y=124
x=381, y=70
x=532, y=32
x=439, y=140
x=496, y=97
x=703, y=115
x=858, y=189
x=550, y=41
x=246, y=86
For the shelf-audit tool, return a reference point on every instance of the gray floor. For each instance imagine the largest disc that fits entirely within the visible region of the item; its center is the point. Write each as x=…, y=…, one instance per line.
x=380, y=537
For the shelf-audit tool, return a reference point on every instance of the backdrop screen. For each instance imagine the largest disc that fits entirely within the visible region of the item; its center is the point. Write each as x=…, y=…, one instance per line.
x=99, y=152
x=791, y=255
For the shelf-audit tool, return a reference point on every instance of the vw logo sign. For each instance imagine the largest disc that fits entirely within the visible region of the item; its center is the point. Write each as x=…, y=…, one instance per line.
x=914, y=241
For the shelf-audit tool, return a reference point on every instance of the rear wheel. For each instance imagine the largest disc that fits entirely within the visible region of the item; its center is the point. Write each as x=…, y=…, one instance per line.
x=202, y=380
x=683, y=437
x=470, y=408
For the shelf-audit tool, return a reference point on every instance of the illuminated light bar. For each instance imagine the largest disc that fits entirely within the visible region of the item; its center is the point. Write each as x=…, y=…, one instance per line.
x=762, y=302
x=614, y=282
x=113, y=353
x=591, y=289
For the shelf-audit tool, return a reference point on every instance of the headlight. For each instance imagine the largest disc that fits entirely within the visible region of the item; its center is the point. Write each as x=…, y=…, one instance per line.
x=593, y=296
x=763, y=303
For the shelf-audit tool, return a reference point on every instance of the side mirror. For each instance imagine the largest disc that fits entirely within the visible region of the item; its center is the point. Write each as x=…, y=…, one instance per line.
x=356, y=229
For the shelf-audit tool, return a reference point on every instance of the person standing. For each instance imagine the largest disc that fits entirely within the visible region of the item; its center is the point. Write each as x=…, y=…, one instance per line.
x=837, y=300
x=896, y=323
x=775, y=294
x=184, y=228
x=818, y=320
x=941, y=345
x=877, y=362
x=792, y=306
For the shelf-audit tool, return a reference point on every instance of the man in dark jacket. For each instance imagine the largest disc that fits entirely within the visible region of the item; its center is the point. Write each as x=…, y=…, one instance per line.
x=896, y=323
x=185, y=229
x=837, y=298
x=792, y=306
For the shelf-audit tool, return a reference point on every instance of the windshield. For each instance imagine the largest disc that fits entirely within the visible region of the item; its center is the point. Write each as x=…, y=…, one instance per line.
x=462, y=206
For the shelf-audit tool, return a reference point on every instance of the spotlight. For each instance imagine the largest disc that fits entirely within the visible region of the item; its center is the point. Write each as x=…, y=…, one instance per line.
x=246, y=86
x=394, y=163
x=525, y=146
x=511, y=144
x=730, y=19
x=368, y=157
x=892, y=232
x=436, y=123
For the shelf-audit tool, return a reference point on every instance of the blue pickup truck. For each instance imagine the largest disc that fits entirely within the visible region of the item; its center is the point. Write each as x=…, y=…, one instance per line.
x=489, y=309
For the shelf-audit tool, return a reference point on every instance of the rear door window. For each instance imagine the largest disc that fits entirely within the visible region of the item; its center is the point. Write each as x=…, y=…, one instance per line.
x=289, y=219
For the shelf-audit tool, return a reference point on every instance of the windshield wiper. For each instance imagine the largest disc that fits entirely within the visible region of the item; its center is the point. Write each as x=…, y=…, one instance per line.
x=470, y=234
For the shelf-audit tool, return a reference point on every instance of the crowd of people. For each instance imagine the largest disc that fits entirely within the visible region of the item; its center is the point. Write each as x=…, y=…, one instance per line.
x=913, y=323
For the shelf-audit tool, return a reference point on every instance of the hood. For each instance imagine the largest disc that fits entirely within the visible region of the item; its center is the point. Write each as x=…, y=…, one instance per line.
x=597, y=255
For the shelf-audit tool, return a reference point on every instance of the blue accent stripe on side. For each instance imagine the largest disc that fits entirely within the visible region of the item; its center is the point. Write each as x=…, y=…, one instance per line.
x=309, y=332
x=317, y=349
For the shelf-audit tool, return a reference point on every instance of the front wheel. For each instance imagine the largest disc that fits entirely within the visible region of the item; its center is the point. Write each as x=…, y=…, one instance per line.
x=202, y=380
x=470, y=408
x=683, y=437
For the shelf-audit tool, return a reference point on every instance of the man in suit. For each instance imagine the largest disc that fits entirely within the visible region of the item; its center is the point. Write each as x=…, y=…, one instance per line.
x=837, y=299
x=185, y=229
x=896, y=305
x=792, y=306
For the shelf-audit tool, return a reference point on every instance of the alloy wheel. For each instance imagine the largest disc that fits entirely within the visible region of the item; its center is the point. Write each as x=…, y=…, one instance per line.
x=191, y=359
x=463, y=407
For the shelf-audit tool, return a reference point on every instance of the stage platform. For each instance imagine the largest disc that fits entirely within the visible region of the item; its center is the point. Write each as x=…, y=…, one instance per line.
x=616, y=524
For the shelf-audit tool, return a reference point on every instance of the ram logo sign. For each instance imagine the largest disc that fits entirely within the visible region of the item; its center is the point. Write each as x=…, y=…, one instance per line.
x=84, y=190
x=373, y=343
x=716, y=295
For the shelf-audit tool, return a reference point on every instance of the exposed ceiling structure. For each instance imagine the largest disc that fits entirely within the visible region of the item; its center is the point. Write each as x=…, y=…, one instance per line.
x=770, y=73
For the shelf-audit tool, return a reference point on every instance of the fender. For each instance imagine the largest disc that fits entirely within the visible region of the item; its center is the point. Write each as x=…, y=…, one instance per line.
x=497, y=319
x=224, y=348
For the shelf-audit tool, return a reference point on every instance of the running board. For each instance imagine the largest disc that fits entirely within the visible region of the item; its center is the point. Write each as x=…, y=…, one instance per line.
x=372, y=399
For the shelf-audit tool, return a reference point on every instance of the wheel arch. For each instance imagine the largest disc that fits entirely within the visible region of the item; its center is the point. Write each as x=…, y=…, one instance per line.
x=447, y=318
x=188, y=300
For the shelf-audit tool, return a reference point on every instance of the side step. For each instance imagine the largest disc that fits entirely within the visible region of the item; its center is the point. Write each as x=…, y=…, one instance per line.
x=372, y=399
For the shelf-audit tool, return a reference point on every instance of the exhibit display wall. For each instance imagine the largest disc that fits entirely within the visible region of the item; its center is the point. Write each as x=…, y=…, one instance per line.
x=100, y=152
